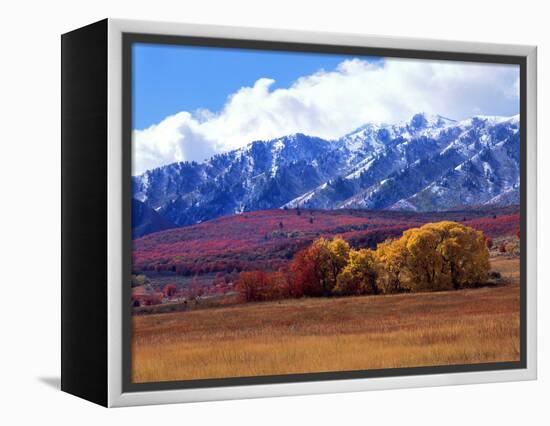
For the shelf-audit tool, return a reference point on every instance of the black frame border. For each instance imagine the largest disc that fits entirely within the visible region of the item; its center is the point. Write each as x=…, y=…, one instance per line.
x=84, y=235
x=128, y=39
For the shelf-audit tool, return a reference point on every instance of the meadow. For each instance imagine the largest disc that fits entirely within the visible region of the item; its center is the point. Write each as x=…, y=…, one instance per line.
x=306, y=335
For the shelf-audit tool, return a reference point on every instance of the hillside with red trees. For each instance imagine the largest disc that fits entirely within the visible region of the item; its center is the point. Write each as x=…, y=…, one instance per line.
x=268, y=239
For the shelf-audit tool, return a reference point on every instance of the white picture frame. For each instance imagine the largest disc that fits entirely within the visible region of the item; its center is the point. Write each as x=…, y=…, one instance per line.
x=116, y=395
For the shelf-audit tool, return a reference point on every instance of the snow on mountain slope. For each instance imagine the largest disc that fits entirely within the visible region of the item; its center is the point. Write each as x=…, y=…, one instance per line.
x=426, y=163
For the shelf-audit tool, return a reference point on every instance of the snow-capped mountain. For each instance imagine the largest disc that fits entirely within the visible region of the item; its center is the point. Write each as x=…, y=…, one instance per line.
x=426, y=163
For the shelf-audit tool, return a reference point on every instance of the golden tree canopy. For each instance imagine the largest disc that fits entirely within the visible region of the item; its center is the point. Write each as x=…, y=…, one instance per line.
x=438, y=256
x=359, y=275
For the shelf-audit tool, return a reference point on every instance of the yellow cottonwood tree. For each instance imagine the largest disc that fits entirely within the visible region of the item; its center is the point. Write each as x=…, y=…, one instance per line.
x=437, y=256
x=391, y=258
x=425, y=263
x=359, y=275
x=465, y=253
x=327, y=258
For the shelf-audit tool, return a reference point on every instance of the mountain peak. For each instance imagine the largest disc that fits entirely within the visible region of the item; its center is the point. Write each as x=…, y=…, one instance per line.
x=423, y=120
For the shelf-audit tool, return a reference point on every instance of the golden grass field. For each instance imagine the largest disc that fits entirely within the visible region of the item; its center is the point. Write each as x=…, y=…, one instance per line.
x=317, y=335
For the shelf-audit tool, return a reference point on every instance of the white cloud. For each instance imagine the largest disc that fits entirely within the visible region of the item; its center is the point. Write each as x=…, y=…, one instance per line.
x=330, y=104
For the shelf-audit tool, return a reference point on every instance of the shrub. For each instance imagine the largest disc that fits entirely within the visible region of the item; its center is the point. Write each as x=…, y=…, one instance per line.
x=170, y=290
x=256, y=286
x=513, y=247
x=251, y=285
x=495, y=275
x=151, y=299
x=139, y=280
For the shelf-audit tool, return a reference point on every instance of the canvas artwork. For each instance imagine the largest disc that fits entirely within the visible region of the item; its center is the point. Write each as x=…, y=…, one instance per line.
x=301, y=213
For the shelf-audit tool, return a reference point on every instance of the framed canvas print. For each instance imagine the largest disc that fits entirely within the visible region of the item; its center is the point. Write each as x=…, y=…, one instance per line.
x=251, y=213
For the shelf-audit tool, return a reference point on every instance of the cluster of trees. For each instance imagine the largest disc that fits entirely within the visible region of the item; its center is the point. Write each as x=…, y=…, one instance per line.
x=496, y=226
x=437, y=256
x=206, y=265
x=269, y=239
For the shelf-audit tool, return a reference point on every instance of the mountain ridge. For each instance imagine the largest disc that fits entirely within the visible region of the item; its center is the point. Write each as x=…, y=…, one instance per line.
x=426, y=163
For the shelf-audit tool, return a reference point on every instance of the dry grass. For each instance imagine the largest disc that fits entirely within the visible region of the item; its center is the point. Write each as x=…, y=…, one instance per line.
x=316, y=335
x=508, y=267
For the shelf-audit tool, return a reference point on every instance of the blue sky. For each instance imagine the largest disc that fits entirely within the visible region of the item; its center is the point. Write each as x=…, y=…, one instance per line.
x=191, y=103
x=169, y=79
